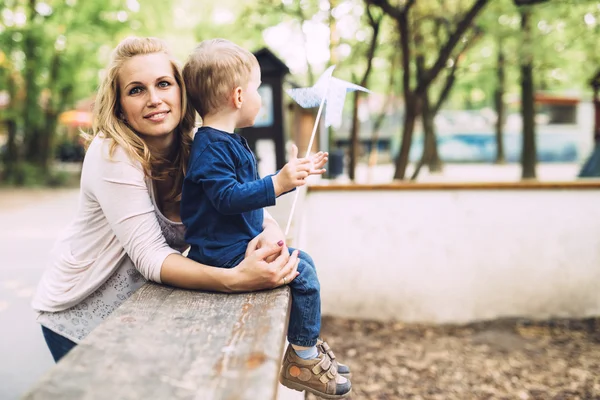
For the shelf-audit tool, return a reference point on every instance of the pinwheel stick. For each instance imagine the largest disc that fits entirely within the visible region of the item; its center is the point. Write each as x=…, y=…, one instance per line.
x=310, y=143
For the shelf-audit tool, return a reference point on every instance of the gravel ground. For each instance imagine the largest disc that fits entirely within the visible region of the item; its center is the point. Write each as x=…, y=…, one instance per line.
x=501, y=359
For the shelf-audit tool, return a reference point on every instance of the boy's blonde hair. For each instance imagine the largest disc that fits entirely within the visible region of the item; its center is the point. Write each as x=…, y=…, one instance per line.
x=214, y=69
x=108, y=122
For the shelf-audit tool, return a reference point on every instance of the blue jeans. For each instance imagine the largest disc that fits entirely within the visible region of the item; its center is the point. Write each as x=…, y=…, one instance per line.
x=305, y=317
x=59, y=345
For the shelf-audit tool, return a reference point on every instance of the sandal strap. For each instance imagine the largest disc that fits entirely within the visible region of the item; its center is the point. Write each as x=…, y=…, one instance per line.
x=323, y=365
x=327, y=350
x=329, y=375
x=327, y=365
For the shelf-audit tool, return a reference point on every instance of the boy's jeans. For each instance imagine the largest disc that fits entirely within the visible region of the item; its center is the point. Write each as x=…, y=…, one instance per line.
x=305, y=318
x=59, y=345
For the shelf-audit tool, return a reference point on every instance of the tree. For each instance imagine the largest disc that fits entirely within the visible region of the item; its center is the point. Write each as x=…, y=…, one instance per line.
x=565, y=41
x=414, y=89
x=528, y=152
x=267, y=14
x=375, y=24
x=499, y=101
x=49, y=60
x=429, y=109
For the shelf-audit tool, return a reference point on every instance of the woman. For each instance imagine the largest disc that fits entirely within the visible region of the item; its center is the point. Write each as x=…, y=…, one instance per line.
x=127, y=229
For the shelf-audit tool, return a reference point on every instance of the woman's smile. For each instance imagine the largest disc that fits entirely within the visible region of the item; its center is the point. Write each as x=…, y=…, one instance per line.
x=157, y=116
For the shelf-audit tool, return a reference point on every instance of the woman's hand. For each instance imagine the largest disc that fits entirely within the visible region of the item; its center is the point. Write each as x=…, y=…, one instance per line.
x=255, y=273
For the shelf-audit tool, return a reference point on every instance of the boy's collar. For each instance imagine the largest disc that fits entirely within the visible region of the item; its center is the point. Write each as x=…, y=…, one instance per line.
x=218, y=129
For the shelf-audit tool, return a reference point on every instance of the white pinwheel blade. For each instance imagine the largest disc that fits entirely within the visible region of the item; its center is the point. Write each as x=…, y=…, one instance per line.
x=312, y=96
x=336, y=96
x=305, y=97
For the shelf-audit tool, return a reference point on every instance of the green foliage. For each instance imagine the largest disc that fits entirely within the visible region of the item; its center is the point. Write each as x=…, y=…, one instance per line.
x=51, y=53
x=564, y=50
x=30, y=175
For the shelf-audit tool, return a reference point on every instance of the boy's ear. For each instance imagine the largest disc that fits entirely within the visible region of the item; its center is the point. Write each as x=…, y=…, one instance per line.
x=238, y=97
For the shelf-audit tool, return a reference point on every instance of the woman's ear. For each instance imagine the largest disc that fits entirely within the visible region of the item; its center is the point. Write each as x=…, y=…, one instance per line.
x=238, y=97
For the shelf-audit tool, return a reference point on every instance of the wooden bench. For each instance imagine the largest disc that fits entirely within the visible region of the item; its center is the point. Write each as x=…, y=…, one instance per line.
x=167, y=343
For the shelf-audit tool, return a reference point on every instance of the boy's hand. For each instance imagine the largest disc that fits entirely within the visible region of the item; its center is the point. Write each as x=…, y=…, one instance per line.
x=292, y=174
x=317, y=162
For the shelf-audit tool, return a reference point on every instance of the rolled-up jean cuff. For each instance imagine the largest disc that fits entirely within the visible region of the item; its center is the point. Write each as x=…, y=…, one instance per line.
x=303, y=343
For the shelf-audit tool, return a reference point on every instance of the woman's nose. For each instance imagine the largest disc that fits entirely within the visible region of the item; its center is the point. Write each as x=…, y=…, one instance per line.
x=154, y=98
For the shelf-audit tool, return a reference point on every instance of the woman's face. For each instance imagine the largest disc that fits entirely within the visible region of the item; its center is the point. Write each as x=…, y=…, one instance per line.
x=150, y=96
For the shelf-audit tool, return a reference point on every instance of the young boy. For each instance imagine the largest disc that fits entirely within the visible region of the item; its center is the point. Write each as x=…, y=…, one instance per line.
x=223, y=200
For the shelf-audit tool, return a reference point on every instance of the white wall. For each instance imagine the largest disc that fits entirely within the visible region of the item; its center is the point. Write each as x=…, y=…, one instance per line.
x=455, y=255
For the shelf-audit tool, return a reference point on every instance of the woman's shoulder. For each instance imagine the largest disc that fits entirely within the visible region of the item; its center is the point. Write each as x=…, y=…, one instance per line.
x=105, y=160
x=105, y=150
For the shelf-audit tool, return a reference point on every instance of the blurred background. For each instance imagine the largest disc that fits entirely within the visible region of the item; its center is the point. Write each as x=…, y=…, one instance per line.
x=453, y=81
x=461, y=90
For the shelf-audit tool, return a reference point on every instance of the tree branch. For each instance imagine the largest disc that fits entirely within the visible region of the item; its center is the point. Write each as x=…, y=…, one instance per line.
x=375, y=25
x=452, y=74
x=405, y=46
x=453, y=40
x=400, y=15
x=393, y=11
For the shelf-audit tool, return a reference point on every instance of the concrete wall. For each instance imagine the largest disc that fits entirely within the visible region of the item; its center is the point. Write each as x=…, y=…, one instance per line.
x=455, y=255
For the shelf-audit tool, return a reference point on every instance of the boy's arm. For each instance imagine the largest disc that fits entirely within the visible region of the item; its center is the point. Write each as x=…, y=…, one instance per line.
x=215, y=171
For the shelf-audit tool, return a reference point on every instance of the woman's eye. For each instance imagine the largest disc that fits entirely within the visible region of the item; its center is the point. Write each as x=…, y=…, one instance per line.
x=164, y=84
x=135, y=90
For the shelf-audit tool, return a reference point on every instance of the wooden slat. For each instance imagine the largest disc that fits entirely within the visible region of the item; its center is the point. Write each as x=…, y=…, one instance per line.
x=519, y=185
x=166, y=343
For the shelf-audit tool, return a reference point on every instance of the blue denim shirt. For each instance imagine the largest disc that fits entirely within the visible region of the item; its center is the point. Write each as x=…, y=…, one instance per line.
x=223, y=197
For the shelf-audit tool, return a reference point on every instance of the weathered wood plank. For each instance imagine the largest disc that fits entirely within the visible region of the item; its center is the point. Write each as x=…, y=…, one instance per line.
x=166, y=343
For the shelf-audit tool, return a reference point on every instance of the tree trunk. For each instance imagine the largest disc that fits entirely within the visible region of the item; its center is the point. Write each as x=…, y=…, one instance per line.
x=31, y=111
x=430, y=155
x=354, y=142
x=499, y=104
x=57, y=97
x=354, y=138
x=11, y=157
x=375, y=139
x=378, y=120
x=411, y=112
x=528, y=155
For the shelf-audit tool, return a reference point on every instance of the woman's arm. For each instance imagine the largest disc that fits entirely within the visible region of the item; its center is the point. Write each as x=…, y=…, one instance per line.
x=253, y=273
x=271, y=233
x=118, y=186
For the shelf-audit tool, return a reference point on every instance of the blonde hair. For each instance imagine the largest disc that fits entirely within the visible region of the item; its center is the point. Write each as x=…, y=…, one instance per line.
x=108, y=121
x=213, y=70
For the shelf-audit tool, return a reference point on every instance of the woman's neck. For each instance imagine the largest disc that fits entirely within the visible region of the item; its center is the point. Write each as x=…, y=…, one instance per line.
x=161, y=146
